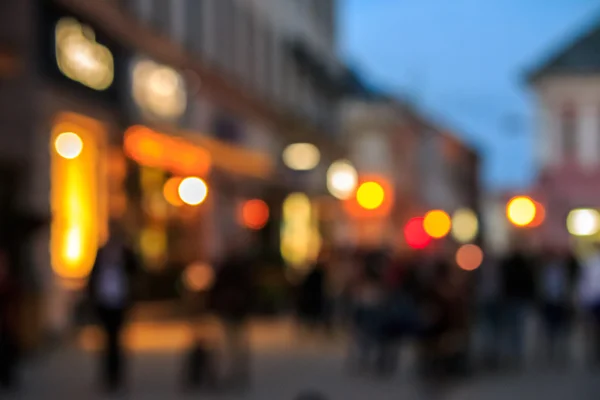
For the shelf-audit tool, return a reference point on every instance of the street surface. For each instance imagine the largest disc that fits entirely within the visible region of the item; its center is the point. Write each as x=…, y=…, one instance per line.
x=284, y=365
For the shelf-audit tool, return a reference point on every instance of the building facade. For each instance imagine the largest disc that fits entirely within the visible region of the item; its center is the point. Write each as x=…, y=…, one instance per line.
x=424, y=167
x=568, y=133
x=108, y=106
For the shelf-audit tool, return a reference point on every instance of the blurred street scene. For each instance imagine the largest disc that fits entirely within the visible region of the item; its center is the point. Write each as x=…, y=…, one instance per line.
x=213, y=198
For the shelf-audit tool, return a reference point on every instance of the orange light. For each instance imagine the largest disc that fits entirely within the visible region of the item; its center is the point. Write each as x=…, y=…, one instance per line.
x=254, y=214
x=521, y=210
x=153, y=149
x=171, y=191
x=540, y=215
x=370, y=195
x=437, y=224
x=469, y=257
x=198, y=277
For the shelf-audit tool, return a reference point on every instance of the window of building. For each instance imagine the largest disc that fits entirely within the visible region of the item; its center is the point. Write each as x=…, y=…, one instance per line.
x=568, y=131
x=194, y=32
x=162, y=16
x=225, y=33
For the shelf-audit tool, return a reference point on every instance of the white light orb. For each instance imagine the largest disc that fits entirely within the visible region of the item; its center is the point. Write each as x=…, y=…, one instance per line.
x=583, y=222
x=301, y=156
x=68, y=145
x=193, y=191
x=342, y=179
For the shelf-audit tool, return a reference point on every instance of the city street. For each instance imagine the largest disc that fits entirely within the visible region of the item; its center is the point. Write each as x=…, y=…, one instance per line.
x=282, y=369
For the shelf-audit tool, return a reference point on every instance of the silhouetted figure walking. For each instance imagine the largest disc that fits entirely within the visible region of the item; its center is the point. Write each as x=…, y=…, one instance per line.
x=110, y=290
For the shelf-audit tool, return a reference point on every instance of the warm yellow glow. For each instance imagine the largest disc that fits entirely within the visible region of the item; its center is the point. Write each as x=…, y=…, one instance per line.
x=342, y=179
x=469, y=257
x=300, y=239
x=198, y=277
x=158, y=90
x=153, y=245
x=301, y=156
x=193, y=191
x=521, y=210
x=465, y=225
x=78, y=190
x=437, y=224
x=80, y=57
x=171, y=191
x=153, y=149
x=68, y=145
x=370, y=195
x=583, y=222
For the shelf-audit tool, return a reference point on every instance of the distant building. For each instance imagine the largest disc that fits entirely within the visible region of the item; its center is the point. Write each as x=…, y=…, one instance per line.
x=428, y=167
x=567, y=139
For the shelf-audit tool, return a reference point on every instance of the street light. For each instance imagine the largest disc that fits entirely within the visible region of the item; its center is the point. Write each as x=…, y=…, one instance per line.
x=583, y=222
x=465, y=225
x=437, y=224
x=301, y=156
x=193, y=191
x=341, y=179
x=521, y=211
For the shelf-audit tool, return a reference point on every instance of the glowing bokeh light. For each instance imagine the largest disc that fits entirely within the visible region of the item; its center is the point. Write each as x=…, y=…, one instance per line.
x=198, y=277
x=68, y=145
x=465, y=225
x=583, y=222
x=540, y=215
x=301, y=156
x=370, y=195
x=437, y=224
x=521, y=210
x=193, y=191
x=342, y=179
x=171, y=191
x=254, y=214
x=415, y=234
x=469, y=257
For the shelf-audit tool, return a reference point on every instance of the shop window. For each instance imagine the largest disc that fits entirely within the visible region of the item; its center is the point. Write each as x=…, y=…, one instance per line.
x=568, y=127
x=226, y=128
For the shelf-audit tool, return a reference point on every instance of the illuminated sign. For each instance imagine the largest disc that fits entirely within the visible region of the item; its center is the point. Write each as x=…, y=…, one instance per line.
x=152, y=149
x=158, y=90
x=80, y=58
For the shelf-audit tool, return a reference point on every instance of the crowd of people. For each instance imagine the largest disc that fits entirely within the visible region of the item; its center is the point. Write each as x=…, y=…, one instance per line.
x=458, y=319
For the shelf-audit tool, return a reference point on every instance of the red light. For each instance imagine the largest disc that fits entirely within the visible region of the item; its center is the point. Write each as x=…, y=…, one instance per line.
x=415, y=234
x=254, y=214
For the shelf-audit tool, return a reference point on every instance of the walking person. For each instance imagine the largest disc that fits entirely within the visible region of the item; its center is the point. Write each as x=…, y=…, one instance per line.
x=232, y=298
x=589, y=297
x=110, y=287
x=518, y=292
x=313, y=307
x=8, y=324
x=555, y=296
x=489, y=309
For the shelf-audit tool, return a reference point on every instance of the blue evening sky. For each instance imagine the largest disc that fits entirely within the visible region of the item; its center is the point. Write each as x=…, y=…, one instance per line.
x=462, y=61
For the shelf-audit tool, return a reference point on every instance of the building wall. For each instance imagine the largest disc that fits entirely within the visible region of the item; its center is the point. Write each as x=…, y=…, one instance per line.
x=249, y=40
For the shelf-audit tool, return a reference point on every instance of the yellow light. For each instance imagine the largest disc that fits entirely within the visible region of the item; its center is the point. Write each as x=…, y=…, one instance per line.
x=370, y=195
x=301, y=156
x=469, y=257
x=78, y=189
x=341, y=179
x=521, y=210
x=153, y=245
x=583, y=222
x=193, y=191
x=437, y=224
x=300, y=239
x=198, y=277
x=465, y=225
x=68, y=145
